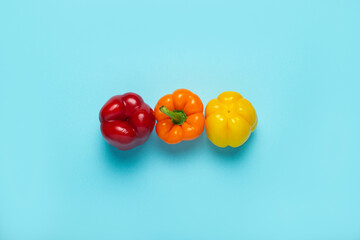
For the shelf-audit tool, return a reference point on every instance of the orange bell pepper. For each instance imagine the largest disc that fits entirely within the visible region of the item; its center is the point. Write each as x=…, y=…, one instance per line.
x=179, y=117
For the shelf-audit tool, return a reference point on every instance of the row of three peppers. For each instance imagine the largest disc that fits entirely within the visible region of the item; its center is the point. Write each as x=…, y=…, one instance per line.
x=127, y=121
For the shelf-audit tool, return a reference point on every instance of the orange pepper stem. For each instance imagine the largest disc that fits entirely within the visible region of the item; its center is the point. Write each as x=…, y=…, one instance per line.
x=178, y=117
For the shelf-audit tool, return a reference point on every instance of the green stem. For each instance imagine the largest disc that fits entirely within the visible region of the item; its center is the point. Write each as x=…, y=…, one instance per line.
x=178, y=117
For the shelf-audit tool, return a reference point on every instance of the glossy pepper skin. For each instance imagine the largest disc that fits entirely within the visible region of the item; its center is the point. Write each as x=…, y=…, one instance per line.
x=126, y=121
x=230, y=120
x=179, y=116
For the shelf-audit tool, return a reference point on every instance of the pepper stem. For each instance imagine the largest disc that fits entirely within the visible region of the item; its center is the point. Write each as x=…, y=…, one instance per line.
x=178, y=117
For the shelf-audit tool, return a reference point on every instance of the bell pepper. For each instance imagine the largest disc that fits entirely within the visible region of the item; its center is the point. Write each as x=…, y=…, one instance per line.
x=179, y=116
x=126, y=121
x=230, y=119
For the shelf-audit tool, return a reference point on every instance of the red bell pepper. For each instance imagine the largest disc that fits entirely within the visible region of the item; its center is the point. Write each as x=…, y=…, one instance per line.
x=126, y=121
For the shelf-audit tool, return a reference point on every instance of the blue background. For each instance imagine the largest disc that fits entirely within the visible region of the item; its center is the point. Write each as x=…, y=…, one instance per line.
x=296, y=178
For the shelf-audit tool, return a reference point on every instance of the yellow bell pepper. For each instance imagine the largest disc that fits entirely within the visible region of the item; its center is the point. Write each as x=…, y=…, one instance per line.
x=230, y=120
